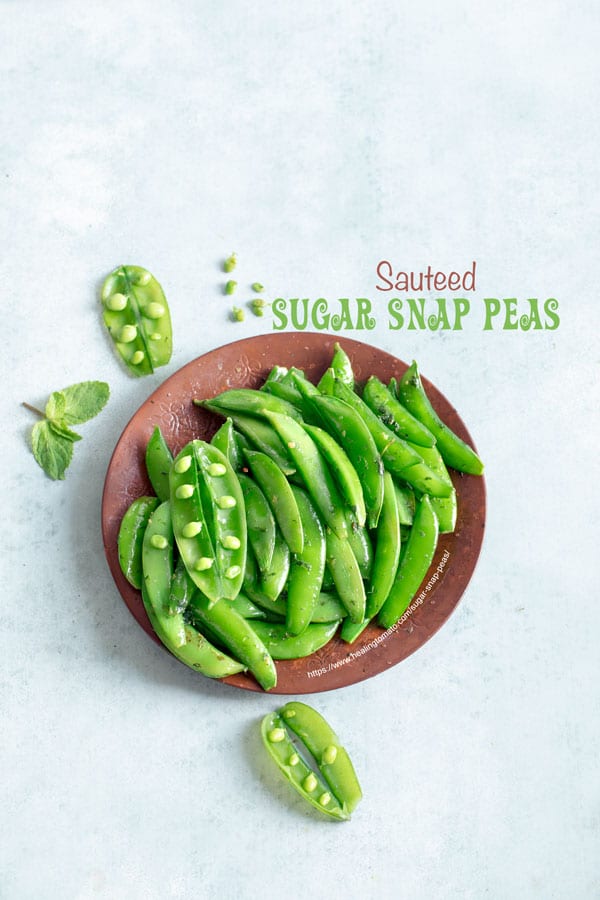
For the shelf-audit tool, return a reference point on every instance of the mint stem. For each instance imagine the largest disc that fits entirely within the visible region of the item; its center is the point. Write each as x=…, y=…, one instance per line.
x=33, y=409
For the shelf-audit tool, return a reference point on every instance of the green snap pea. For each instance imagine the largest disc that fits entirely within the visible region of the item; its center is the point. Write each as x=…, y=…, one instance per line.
x=398, y=419
x=287, y=390
x=360, y=542
x=137, y=316
x=445, y=508
x=353, y=435
x=209, y=519
x=263, y=437
x=248, y=402
x=455, y=452
x=313, y=469
x=323, y=743
x=131, y=536
x=401, y=460
x=196, y=652
x=231, y=444
x=405, y=499
x=246, y=608
x=260, y=522
x=283, y=645
x=342, y=366
x=280, y=497
x=182, y=589
x=158, y=464
x=387, y=551
x=342, y=469
x=306, y=567
x=414, y=563
x=308, y=783
x=272, y=581
x=346, y=575
x=157, y=563
x=238, y=636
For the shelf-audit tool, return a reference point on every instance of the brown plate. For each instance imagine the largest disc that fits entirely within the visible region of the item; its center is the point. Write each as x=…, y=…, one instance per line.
x=246, y=363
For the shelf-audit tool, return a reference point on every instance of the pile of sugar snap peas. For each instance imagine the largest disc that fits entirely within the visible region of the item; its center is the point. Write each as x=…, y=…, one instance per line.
x=312, y=509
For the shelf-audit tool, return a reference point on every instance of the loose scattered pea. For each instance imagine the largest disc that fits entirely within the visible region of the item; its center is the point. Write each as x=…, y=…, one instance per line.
x=230, y=263
x=237, y=314
x=258, y=306
x=257, y=287
x=230, y=286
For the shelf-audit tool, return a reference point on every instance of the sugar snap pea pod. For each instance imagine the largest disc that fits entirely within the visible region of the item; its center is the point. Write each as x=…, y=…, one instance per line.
x=342, y=469
x=238, y=636
x=157, y=564
x=398, y=457
x=249, y=402
x=398, y=419
x=445, y=508
x=197, y=653
x=387, y=551
x=405, y=499
x=276, y=374
x=260, y=522
x=246, y=608
x=455, y=452
x=283, y=645
x=325, y=384
x=209, y=519
x=323, y=743
x=352, y=434
x=182, y=589
x=231, y=444
x=280, y=497
x=313, y=469
x=263, y=437
x=308, y=783
x=272, y=581
x=306, y=568
x=414, y=563
x=328, y=608
x=158, y=464
x=346, y=575
x=131, y=536
x=350, y=631
x=288, y=390
x=359, y=540
x=342, y=367
x=137, y=316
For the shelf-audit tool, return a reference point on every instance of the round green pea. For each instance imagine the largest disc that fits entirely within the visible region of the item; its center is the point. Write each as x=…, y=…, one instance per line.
x=183, y=464
x=116, y=302
x=127, y=334
x=226, y=502
x=276, y=735
x=154, y=310
x=230, y=542
x=191, y=529
x=204, y=563
x=329, y=754
x=184, y=491
x=309, y=783
x=137, y=357
x=233, y=571
x=159, y=541
x=216, y=469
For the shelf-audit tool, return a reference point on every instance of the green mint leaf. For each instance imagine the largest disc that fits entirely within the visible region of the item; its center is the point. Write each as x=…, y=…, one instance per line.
x=84, y=401
x=63, y=430
x=55, y=407
x=52, y=451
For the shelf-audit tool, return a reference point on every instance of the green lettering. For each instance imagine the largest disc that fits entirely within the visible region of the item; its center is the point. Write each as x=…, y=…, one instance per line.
x=278, y=309
x=492, y=308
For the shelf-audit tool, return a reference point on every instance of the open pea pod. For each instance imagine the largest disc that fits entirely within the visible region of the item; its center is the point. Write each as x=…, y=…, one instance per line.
x=209, y=520
x=137, y=316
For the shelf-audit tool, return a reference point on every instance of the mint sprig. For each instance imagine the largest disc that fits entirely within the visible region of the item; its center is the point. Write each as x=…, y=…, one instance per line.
x=52, y=439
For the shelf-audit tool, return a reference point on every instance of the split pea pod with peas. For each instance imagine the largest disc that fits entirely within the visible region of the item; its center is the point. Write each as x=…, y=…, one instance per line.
x=297, y=732
x=136, y=313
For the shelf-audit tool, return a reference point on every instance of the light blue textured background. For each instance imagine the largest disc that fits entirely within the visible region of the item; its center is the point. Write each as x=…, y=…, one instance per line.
x=313, y=138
